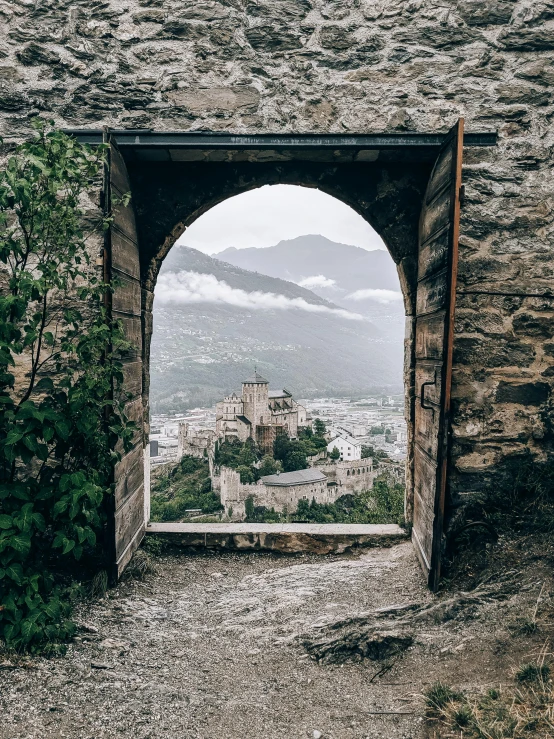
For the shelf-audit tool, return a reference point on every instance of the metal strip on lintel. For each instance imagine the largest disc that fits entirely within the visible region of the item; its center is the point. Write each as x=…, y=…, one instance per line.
x=139, y=139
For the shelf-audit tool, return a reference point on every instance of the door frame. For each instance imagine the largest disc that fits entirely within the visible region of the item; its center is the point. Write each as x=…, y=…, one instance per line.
x=167, y=146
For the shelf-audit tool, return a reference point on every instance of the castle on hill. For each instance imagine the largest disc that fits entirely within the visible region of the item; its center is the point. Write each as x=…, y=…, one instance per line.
x=259, y=414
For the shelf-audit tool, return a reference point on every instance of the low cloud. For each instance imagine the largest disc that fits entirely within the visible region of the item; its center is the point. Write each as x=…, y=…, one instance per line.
x=196, y=287
x=317, y=281
x=380, y=296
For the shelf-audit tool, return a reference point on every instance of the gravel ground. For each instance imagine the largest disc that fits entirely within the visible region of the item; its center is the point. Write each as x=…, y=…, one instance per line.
x=207, y=648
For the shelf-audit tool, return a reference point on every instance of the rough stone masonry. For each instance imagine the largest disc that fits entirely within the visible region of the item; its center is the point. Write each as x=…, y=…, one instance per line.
x=251, y=66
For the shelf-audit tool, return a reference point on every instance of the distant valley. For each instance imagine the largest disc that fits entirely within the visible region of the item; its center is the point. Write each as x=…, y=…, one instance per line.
x=214, y=320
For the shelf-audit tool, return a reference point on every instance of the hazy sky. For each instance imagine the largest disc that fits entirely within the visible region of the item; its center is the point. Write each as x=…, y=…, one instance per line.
x=265, y=216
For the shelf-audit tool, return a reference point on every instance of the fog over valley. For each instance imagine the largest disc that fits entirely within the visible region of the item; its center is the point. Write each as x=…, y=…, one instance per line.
x=318, y=316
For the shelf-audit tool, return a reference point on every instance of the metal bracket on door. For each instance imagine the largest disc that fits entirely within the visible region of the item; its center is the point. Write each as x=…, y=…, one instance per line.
x=423, y=386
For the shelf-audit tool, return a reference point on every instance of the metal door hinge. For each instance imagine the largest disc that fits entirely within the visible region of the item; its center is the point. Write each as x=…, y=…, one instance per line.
x=422, y=394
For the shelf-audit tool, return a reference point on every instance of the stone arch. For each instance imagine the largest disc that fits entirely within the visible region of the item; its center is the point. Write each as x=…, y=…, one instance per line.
x=168, y=197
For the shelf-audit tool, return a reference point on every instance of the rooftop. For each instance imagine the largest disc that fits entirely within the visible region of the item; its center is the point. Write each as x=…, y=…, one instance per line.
x=279, y=394
x=300, y=477
x=255, y=379
x=347, y=438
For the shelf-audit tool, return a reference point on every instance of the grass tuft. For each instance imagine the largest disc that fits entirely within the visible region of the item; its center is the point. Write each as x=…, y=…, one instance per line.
x=439, y=695
x=463, y=716
x=522, y=712
x=532, y=673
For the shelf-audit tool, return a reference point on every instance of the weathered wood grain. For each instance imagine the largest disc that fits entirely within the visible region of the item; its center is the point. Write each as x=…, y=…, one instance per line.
x=432, y=293
x=124, y=220
x=442, y=175
x=433, y=255
x=129, y=519
x=132, y=377
x=437, y=266
x=428, y=372
x=429, y=336
x=436, y=216
x=125, y=254
x=129, y=473
x=126, y=305
x=126, y=297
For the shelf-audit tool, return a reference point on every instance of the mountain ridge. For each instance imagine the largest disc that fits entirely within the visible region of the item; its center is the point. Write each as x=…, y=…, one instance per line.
x=201, y=351
x=352, y=267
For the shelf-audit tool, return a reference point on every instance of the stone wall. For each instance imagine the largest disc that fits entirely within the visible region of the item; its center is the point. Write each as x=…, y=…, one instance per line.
x=344, y=66
x=281, y=498
x=350, y=476
x=191, y=443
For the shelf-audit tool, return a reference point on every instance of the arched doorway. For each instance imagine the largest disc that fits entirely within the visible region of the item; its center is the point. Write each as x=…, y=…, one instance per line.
x=411, y=200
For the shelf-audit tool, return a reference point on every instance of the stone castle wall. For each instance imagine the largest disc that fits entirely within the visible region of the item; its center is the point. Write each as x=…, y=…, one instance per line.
x=190, y=443
x=233, y=494
x=351, y=476
x=346, y=66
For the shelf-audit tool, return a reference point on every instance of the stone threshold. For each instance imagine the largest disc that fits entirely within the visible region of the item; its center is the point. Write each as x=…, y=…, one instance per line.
x=287, y=538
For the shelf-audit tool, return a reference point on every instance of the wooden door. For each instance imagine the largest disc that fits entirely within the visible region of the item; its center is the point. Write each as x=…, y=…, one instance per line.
x=436, y=293
x=123, y=272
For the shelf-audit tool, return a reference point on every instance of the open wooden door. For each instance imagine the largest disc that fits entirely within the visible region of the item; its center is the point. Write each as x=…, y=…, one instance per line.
x=436, y=295
x=122, y=269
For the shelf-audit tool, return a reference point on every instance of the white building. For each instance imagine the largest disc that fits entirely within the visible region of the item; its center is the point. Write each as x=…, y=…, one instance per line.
x=349, y=448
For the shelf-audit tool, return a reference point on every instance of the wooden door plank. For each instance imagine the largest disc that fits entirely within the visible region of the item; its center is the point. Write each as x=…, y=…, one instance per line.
x=429, y=336
x=125, y=254
x=433, y=255
x=128, y=524
x=434, y=332
x=126, y=295
x=432, y=293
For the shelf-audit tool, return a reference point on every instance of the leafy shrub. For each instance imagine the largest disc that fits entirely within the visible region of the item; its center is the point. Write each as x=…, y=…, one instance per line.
x=63, y=416
x=185, y=487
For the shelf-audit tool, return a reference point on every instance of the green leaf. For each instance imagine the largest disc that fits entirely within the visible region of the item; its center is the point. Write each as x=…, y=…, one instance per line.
x=38, y=521
x=21, y=543
x=60, y=506
x=52, y=609
x=31, y=443
x=91, y=537
x=13, y=437
x=62, y=429
x=47, y=433
x=28, y=630
x=6, y=521
x=69, y=544
x=45, y=385
x=15, y=573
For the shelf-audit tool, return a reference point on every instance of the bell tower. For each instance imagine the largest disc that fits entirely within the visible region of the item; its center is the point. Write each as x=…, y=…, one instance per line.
x=255, y=398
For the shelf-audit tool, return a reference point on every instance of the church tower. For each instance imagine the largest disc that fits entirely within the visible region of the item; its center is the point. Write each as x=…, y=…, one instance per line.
x=255, y=398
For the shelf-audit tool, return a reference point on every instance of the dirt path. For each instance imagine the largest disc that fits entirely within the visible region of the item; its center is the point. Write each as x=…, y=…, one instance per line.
x=208, y=649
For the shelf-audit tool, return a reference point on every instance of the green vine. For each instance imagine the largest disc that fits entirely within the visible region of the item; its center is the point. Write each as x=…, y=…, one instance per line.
x=61, y=405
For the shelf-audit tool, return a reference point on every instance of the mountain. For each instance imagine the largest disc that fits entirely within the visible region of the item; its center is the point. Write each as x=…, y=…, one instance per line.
x=352, y=267
x=202, y=350
x=333, y=271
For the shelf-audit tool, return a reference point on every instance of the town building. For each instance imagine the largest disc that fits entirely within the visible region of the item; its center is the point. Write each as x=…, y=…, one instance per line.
x=350, y=449
x=259, y=414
